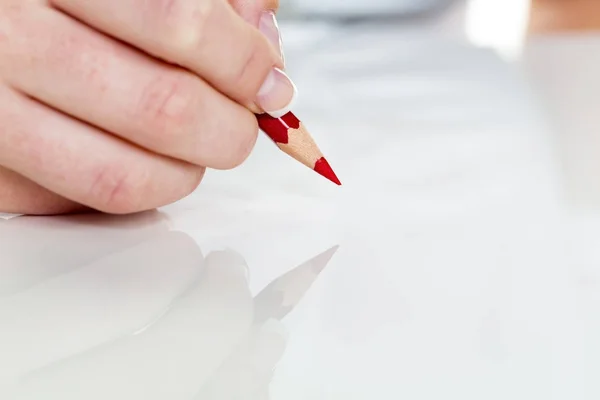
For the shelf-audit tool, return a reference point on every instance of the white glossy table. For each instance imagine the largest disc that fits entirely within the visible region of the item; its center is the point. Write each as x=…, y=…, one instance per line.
x=462, y=272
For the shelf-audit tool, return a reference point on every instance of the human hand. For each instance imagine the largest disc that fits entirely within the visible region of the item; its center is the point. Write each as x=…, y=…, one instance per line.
x=120, y=105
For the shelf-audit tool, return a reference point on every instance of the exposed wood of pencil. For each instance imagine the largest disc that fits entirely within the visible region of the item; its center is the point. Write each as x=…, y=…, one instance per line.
x=301, y=147
x=292, y=137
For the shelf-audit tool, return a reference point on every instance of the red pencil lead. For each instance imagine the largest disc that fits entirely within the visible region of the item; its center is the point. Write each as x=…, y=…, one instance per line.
x=290, y=135
x=322, y=167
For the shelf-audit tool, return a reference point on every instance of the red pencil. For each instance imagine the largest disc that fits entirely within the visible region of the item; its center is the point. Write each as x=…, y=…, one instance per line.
x=290, y=135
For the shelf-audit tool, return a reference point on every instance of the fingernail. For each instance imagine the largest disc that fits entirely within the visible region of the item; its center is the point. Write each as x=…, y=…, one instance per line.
x=277, y=94
x=269, y=27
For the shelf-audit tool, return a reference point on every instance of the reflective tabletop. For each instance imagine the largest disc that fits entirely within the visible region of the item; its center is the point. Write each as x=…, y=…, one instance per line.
x=450, y=264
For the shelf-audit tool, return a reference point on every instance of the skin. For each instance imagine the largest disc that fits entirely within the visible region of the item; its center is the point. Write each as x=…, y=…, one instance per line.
x=124, y=114
x=552, y=16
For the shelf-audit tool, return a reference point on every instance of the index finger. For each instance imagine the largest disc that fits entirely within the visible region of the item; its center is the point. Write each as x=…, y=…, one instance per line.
x=204, y=36
x=261, y=14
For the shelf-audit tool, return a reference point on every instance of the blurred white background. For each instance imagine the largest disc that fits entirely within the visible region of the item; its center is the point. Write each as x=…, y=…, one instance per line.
x=490, y=23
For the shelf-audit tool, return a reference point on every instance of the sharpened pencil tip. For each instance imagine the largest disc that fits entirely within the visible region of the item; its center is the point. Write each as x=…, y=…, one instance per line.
x=323, y=168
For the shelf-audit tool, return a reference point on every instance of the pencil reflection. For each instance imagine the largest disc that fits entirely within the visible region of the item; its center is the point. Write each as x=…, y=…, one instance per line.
x=265, y=345
x=125, y=308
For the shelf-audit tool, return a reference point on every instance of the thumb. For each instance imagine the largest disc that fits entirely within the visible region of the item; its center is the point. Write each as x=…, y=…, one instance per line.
x=262, y=15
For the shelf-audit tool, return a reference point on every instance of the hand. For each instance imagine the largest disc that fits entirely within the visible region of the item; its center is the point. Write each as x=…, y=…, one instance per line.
x=120, y=105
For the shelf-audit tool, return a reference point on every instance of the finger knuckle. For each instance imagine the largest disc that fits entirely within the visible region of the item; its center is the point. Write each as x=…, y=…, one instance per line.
x=185, y=22
x=6, y=24
x=168, y=110
x=14, y=22
x=117, y=189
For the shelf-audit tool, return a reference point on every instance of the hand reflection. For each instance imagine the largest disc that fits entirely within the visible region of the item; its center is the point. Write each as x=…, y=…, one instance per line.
x=123, y=308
